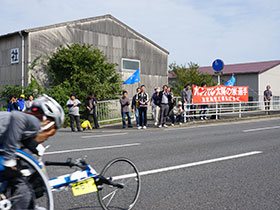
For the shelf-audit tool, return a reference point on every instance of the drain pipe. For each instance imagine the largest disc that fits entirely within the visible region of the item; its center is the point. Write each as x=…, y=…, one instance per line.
x=22, y=59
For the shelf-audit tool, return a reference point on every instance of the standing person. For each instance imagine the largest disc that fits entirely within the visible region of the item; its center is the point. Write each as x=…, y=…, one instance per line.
x=73, y=111
x=91, y=104
x=29, y=103
x=143, y=99
x=155, y=102
x=135, y=106
x=124, y=100
x=203, y=107
x=171, y=101
x=267, y=98
x=165, y=99
x=13, y=104
x=21, y=102
x=187, y=99
x=153, y=105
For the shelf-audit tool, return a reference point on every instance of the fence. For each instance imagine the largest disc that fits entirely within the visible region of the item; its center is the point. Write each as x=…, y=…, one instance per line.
x=111, y=110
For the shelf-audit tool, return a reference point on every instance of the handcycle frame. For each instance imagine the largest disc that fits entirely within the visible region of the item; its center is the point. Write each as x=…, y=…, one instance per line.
x=86, y=172
x=61, y=182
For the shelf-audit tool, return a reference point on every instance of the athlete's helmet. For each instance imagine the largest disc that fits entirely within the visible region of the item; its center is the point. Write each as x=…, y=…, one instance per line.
x=50, y=108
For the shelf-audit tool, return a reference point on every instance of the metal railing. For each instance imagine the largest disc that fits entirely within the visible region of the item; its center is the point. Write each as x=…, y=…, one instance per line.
x=110, y=110
x=230, y=109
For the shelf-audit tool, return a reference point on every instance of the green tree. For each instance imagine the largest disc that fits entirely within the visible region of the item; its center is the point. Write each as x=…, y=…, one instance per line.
x=80, y=69
x=188, y=75
x=9, y=90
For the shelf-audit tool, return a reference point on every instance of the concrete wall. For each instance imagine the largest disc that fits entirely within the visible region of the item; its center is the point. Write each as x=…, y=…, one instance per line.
x=114, y=39
x=272, y=78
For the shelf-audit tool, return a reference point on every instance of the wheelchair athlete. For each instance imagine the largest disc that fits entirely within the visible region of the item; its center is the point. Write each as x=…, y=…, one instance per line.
x=29, y=129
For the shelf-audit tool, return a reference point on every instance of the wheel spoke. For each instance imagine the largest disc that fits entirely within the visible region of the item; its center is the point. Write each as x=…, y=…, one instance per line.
x=110, y=194
x=113, y=194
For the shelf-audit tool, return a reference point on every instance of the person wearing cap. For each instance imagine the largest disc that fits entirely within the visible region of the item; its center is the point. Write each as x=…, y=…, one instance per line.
x=21, y=102
x=177, y=114
x=73, y=105
x=29, y=129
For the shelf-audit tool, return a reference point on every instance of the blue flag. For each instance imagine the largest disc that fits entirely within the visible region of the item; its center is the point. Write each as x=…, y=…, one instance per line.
x=134, y=78
x=231, y=82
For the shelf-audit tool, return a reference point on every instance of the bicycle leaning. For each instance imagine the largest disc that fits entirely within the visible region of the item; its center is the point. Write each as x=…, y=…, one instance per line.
x=117, y=186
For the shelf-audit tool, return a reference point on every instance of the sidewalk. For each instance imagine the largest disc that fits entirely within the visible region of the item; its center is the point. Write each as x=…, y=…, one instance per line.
x=117, y=127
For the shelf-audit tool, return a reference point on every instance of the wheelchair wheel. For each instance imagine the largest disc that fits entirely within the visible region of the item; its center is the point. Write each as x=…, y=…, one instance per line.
x=122, y=172
x=33, y=179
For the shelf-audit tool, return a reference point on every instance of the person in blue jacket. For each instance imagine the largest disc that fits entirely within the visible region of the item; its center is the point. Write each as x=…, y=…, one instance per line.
x=21, y=102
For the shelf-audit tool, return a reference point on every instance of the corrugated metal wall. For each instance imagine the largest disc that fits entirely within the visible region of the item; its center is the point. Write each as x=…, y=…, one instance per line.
x=10, y=74
x=114, y=39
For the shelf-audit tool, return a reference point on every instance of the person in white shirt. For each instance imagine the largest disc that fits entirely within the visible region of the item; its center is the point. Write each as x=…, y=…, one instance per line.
x=73, y=107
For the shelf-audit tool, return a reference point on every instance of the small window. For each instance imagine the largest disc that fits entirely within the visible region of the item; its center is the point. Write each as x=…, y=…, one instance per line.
x=130, y=64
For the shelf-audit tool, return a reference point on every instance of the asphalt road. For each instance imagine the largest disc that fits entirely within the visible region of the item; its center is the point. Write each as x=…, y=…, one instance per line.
x=232, y=165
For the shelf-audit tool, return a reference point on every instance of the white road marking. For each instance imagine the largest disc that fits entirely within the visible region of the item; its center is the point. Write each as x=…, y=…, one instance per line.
x=104, y=135
x=219, y=124
x=93, y=148
x=171, y=168
x=261, y=129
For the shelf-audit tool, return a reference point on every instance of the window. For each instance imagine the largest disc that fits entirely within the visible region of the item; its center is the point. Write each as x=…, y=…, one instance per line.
x=130, y=64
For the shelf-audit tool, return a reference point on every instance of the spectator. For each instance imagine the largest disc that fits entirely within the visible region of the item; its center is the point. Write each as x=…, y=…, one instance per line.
x=171, y=102
x=143, y=99
x=176, y=114
x=21, y=102
x=91, y=104
x=267, y=98
x=86, y=125
x=187, y=99
x=29, y=103
x=124, y=100
x=165, y=100
x=73, y=111
x=203, y=107
x=13, y=104
x=155, y=103
x=135, y=106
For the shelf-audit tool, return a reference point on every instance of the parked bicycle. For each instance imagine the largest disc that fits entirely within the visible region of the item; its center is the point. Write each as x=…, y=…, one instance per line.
x=117, y=186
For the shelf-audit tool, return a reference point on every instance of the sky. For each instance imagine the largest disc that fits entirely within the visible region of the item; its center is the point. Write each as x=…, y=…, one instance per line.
x=199, y=31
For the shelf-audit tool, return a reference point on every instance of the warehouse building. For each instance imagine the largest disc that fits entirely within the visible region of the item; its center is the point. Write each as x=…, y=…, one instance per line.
x=254, y=75
x=120, y=43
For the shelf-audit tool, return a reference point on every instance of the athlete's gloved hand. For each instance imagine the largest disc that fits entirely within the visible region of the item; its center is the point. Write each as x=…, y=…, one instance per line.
x=34, y=146
x=11, y=173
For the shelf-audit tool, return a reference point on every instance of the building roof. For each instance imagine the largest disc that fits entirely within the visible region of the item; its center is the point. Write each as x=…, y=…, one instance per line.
x=108, y=16
x=243, y=68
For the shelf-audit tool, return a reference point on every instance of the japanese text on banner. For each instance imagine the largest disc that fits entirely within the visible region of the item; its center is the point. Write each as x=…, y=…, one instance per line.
x=220, y=93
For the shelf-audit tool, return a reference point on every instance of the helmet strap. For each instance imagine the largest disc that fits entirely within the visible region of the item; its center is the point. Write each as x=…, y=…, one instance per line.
x=46, y=127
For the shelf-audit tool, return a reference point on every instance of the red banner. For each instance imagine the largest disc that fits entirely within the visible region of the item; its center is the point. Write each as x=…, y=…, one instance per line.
x=220, y=93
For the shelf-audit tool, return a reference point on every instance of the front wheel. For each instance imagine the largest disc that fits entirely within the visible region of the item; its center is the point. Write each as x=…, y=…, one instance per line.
x=36, y=181
x=124, y=189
